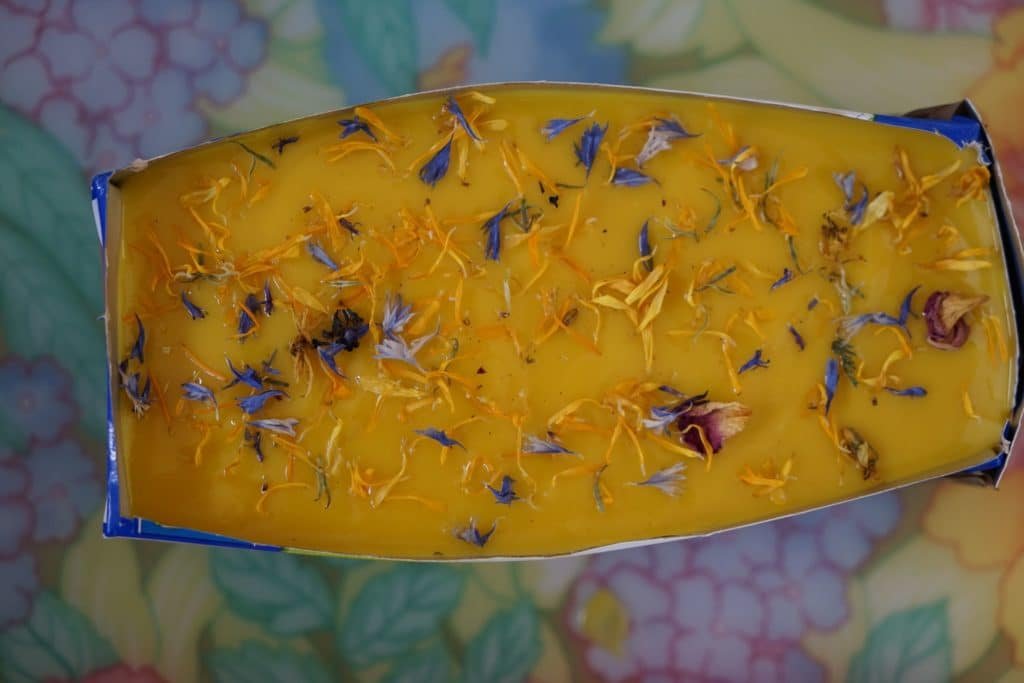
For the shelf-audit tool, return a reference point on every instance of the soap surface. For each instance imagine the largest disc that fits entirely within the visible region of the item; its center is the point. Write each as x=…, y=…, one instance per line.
x=475, y=326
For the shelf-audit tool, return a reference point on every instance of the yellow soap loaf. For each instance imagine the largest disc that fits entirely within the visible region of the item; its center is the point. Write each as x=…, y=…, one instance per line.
x=533, y=320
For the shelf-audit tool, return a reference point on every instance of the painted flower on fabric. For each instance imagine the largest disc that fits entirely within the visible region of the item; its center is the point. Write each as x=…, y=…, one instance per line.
x=18, y=580
x=125, y=81
x=999, y=94
x=955, y=515
x=64, y=488
x=731, y=607
x=35, y=399
x=974, y=16
x=526, y=40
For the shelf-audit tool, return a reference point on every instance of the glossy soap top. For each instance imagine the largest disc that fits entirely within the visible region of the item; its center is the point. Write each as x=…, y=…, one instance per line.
x=535, y=320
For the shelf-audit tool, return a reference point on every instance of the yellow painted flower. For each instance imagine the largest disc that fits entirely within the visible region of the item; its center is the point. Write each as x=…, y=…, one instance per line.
x=955, y=516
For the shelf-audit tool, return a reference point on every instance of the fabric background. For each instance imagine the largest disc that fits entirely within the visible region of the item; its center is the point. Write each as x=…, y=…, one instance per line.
x=926, y=584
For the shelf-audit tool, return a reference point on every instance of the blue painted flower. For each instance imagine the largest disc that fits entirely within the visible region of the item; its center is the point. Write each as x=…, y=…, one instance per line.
x=65, y=488
x=18, y=579
x=35, y=403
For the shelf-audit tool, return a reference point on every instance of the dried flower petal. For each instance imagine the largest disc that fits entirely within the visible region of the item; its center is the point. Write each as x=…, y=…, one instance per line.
x=437, y=166
x=140, y=398
x=278, y=425
x=911, y=392
x=328, y=353
x=644, y=244
x=660, y=138
x=455, y=110
x=398, y=349
x=492, y=228
x=854, y=209
x=534, y=444
x=139, y=347
x=253, y=404
x=268, y=299
x=439, y=436
x=355, y=125
x=669, y=480
x=590, y=142
x=319, y=255
x=555, y=126
x=756, y=361
x=194, y=311
x=396, y=315
x=718, y=421
x=860, y=451
x=787, y=275
x=944, y=316
x=247, y=375
x=255, y=438
x=831, y=382
x=347, y=328
x=797, y=337
x=283, y=142
x=505, y=495
x=471, y=534
x=628, y=177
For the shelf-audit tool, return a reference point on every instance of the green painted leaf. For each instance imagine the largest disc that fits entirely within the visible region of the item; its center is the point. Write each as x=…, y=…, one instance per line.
x=384, y=33
x=397, y=609
x=254, y=661
x=57, y=642
x=278, y=590
x=506, y=649
x=478, y=16
x=42, y=312
x=911, y=645
x=44, y=195
x=426, y=666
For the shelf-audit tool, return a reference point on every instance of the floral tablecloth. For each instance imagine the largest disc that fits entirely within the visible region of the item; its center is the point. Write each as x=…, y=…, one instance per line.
x=926, y=584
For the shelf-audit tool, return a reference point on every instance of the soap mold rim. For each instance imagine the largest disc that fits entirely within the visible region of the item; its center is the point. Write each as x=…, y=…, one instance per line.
x=988, y=472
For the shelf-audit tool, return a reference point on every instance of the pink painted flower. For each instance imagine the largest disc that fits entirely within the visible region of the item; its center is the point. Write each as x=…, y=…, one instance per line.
x=18, y=580
x=122, y=673
x=730, y=607
x=35, y=400
x=123, y=79
x=973, y=16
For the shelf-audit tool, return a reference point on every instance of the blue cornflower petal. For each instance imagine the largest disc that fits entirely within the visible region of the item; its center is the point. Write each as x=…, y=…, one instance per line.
x=253, y=404
x=787, y=276
x=197, y=392
x=255, y=437
x=533, y=444
x=674, y=128
x=328, y=354
x=139, y=347
x=505, y=495
x=437, y=166
x=644, y=243
x=194, y=311
x=812, y=304
x=831, y=381
x=756, y=361
x=797, y=338
x=268, y=300
x=493, y=229
x=246, y=375
x=905, y=311
x=912, y=392
x=281, y=143
x=555, y=126
x=396, y=315
x=279, y=425
x=439, y=436
x=455, y=110
x=319, y=255
x=471, y=534
x=355, y=125
x=628, y=177
x=589, y=144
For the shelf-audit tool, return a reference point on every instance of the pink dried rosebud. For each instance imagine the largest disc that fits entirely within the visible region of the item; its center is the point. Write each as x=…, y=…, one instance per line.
x=711, y=424
x=944, y=314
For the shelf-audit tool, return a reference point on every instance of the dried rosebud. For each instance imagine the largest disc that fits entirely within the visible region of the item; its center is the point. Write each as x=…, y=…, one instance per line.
x=944, y=314
x=718, y=421
x=860, y=451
